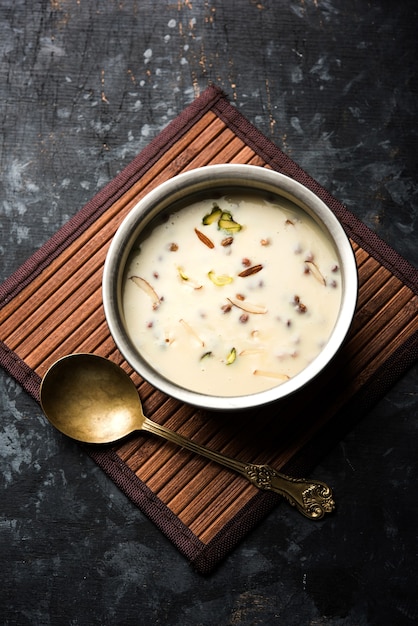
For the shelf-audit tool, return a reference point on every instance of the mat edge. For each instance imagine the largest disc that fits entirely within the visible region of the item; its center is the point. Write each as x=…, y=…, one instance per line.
x=111, y=192
x=273, y=156
x=198, y=554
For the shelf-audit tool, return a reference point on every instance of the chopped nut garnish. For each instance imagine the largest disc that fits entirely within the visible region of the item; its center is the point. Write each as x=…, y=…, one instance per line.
x=208, y=242
x=265, y=242
x=227, y=241
x=192, y=332
x=231, y=357
x=250, y=271
x=182, y=274
x=214, y=215
x=246, y=262
x=252, y=351
x=224, y=218
x=277, y=375
x=248, y=306
x=145, y=286
x=173, y=247
x=300, y=307
x=312, y=268
x=239, y=296
x=227, y=223
x=220, y=280
x=226, y=308
x=186, y=278
x=244, y=318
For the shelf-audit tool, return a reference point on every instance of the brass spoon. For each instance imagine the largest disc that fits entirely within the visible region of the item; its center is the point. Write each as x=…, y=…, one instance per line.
x=91, y=399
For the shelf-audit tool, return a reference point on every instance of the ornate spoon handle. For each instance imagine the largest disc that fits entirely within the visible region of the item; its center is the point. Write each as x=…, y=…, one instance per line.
x=312, y=498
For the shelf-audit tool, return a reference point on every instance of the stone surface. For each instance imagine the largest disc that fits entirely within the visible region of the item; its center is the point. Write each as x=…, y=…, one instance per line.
x=84, y=86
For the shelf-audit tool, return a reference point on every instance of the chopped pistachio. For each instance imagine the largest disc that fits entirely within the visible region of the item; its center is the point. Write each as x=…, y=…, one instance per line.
x=231, y=356
x=213, y=216
x=182, y=274
x=227, y=223
x=220, y=279
x=187, y=278
x=206, y=355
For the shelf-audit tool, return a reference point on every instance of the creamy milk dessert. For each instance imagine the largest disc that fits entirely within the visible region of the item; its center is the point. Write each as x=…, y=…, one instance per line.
x=232, y=296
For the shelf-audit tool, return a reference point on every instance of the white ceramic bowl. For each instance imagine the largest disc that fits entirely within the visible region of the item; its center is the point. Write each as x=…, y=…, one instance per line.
x=187, y=186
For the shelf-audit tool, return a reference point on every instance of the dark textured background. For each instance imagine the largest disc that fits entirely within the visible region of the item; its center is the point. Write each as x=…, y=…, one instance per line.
x=84, y=86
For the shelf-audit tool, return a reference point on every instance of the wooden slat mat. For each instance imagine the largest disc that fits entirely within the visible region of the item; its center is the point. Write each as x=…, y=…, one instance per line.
x=52, y=306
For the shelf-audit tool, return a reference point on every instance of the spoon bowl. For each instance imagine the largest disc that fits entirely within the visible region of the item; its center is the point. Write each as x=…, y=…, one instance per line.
x=91, y=399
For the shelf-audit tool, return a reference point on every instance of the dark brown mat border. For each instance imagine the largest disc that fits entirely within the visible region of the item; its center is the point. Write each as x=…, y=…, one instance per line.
x=207, y=556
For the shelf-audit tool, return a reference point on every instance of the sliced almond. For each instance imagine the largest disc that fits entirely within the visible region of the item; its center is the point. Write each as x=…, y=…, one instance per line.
x=149, y=290
x=268, y=374
x=314, y=270
x=192, y=332
x=248, y=306
x=208, y=242
x=252, y=351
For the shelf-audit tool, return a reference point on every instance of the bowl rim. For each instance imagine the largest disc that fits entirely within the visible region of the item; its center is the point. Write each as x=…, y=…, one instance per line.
x=194, y=181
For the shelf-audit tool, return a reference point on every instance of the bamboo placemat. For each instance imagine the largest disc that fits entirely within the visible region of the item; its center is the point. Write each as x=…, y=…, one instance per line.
x=52, y=306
